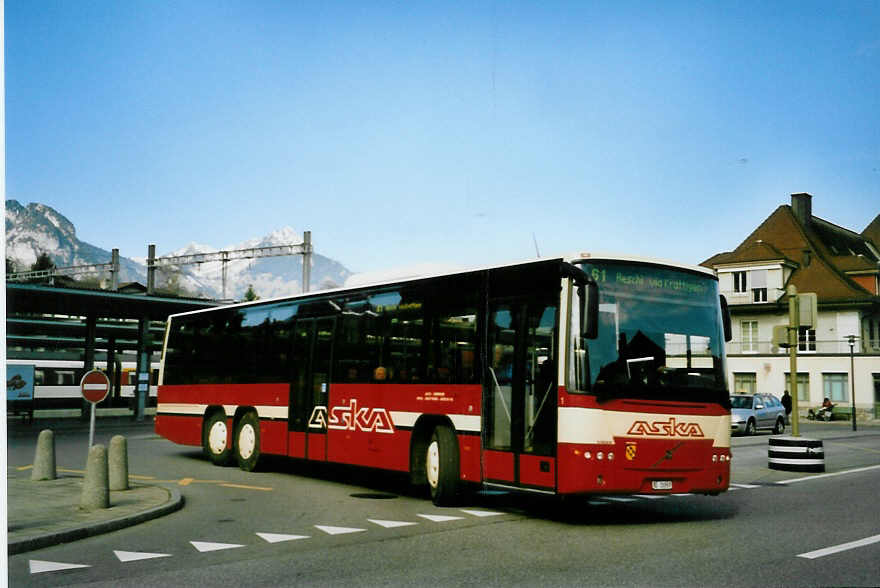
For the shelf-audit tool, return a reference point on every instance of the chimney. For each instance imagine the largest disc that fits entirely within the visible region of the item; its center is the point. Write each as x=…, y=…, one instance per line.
x=802, y=207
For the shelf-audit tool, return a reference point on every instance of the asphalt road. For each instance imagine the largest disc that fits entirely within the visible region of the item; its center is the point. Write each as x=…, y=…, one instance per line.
x=289, y=524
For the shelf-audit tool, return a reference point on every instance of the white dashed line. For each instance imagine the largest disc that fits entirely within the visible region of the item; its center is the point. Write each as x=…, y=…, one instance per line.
x=39, y=566
x=391, y=524
x=126, y=556
x=338, y=530
x=204, y=546
x=842, y=547
x=481, y=513
x=440, y=518
x=278, y=538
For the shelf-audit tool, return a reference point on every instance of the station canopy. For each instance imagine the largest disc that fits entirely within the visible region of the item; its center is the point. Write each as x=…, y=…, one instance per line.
x=40, y=318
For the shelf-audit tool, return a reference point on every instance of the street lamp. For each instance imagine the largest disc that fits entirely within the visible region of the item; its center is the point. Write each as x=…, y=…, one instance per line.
x=852, y=376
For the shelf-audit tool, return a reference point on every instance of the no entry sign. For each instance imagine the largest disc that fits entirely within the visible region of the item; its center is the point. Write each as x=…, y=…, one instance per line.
x=95, y=386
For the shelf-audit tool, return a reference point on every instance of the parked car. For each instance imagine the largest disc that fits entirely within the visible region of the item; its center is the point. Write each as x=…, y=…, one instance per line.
x=750, y=412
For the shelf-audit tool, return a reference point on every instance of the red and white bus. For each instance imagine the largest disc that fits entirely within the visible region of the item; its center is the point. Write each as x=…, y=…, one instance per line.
x=589, y=374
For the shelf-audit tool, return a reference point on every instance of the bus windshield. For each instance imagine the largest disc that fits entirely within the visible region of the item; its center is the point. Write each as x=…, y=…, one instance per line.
x=660, y=335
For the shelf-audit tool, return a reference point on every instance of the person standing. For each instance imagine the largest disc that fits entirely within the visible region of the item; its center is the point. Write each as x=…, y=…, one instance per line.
x=786, y=403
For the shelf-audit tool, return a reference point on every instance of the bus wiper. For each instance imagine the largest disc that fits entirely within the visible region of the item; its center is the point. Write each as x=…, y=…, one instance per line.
x=668, y=454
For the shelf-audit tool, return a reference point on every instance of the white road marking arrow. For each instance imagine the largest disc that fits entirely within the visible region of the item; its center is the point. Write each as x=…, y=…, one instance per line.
x=38, y=566
x=204, y=546
x=440, y=518
x=338, y=530
x=391, y=524
x=125, y=556
x=278, y=538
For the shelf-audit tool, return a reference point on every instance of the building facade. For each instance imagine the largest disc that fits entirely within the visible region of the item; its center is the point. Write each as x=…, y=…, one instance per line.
x=837, y=356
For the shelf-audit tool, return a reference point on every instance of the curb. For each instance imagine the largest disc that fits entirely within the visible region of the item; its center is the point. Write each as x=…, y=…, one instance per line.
x=175, y=503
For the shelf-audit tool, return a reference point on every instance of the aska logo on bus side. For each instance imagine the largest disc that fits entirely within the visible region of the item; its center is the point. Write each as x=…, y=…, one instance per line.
x=351, y=418
x=667, y=428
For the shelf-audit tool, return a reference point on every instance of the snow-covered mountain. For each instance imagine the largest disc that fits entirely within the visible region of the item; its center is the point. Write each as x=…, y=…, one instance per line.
x=38, y=228
x=269, y=276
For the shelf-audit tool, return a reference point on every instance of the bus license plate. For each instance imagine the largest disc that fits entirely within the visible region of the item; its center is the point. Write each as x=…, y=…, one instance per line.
x=661, y=484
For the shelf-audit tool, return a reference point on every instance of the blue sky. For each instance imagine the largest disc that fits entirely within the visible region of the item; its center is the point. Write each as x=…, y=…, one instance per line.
x=451, y=132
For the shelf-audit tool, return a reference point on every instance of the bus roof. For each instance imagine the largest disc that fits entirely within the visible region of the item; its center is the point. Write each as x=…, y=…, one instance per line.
x=407, y=278
x=603, y=256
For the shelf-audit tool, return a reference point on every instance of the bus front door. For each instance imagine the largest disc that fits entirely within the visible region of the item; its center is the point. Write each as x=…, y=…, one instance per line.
x=310, y=388
x=521, y=395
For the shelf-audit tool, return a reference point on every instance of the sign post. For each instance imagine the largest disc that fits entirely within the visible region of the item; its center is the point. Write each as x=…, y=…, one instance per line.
x=94, y=386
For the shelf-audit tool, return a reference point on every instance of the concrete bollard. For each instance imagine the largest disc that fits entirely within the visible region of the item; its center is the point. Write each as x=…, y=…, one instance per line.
x=44, y=458
x=118, y=463
x=96, y=488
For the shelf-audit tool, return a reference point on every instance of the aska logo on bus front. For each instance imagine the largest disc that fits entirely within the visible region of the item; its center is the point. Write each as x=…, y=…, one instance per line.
x=351, y=418
x=668, y=428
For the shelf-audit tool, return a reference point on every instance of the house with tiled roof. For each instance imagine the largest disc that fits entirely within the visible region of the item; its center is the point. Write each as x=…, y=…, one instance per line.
x=842, y=267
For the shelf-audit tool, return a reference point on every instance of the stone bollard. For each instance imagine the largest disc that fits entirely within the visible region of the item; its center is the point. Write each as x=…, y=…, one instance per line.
x=118, y=463
x=96, y=488
x=44, y=458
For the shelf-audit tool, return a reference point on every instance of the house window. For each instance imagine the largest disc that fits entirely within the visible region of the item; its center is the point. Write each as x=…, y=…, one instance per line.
x=806, y=339
x=739, y=282
x=759, y=285
x=749, y=336
x=836, y=387
x=803, y=385
x=745, y=383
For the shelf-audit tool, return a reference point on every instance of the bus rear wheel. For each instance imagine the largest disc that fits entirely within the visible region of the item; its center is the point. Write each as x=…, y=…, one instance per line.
x=442, y=466
x=247, y=441
x=215, y=435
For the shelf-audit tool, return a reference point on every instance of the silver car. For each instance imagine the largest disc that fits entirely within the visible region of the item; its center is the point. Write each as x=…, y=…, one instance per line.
x=750, y=412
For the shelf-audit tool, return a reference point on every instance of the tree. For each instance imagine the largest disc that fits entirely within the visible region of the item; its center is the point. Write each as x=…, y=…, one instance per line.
x=170, y=280
x=10, y=266
x=44, y=262
x=250, y=295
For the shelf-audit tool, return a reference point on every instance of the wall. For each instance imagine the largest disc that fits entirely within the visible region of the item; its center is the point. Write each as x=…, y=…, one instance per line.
x=770, y=373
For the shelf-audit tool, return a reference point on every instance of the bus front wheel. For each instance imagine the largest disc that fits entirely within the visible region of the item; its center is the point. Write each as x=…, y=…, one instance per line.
x=442, y=466
x=215, y=435
x=247, y=441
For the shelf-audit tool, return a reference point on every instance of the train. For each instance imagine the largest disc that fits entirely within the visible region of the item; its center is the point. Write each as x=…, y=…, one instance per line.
x=56, y=383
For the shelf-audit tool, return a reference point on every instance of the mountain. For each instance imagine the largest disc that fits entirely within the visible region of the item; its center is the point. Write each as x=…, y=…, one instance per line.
x=269, y=276
x=38, y=228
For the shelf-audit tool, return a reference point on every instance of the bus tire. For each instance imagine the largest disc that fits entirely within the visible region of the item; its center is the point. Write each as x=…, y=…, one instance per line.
x=215, y=437
x=247, y=441
x=442, y=466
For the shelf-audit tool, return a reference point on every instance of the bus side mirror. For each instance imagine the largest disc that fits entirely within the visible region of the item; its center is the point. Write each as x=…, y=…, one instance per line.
x=589, y=302
x=725, y=318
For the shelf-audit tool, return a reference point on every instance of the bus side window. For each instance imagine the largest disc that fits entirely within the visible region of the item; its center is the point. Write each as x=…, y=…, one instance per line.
x=452, y=313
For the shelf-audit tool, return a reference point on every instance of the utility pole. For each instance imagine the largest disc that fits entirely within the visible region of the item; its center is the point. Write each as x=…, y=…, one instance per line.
x=307, y=259
x=793, y=326
x=114, y=270
x=224, y=257
x=151, y=269
x=852, y=376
